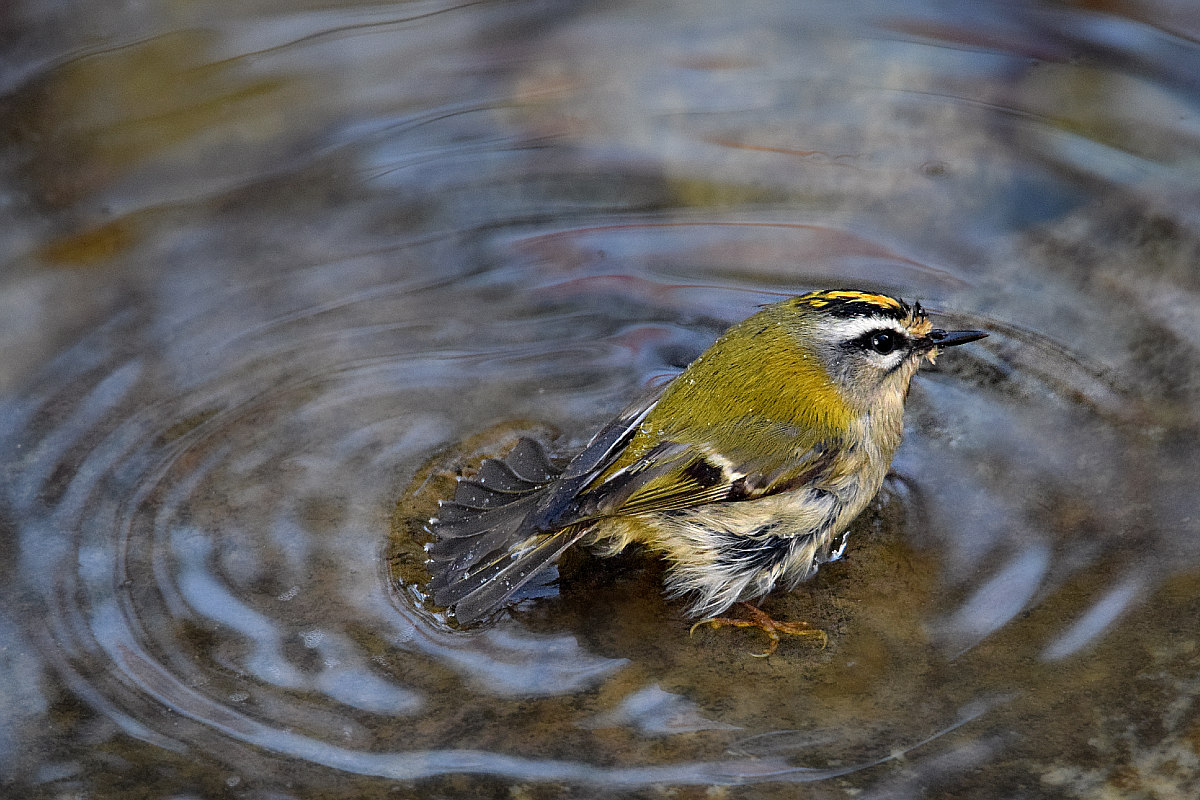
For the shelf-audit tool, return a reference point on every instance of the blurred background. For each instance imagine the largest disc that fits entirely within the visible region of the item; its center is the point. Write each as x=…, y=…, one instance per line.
x=272, y=270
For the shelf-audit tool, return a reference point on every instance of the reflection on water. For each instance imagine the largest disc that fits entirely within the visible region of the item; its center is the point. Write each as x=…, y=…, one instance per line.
x=274, y=273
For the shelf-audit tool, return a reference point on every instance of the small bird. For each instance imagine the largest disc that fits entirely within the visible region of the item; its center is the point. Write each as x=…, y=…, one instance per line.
x=743, y=472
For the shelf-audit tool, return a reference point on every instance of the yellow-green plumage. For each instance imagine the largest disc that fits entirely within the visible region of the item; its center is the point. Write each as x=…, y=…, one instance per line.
x=731, y=375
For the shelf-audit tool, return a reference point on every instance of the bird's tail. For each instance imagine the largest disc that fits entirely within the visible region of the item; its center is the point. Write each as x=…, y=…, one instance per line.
x=486, y=551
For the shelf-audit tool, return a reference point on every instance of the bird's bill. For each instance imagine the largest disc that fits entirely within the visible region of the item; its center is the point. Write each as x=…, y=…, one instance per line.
x=940, y=338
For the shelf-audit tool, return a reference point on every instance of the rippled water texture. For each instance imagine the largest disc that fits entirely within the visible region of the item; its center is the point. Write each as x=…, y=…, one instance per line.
x=273, y=271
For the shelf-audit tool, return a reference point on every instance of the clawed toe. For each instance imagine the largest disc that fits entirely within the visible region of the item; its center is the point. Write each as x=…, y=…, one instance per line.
x=764, y=622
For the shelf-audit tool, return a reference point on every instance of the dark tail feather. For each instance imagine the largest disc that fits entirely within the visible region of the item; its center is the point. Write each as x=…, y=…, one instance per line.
x=529, y=462
x=464, y=545
x=479, y=593
x=485, y=551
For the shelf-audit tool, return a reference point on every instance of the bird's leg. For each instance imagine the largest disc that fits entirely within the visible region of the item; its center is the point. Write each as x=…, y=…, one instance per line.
x=764, y=622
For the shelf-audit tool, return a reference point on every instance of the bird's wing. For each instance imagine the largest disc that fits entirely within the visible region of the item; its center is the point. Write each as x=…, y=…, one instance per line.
x=505, y=529
x=676, y=475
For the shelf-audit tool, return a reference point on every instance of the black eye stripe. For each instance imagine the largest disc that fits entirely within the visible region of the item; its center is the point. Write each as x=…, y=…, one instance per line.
x=883, y=341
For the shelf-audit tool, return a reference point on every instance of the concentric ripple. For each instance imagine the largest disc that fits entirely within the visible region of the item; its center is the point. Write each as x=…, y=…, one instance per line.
x=204, y=551
x=274, y=273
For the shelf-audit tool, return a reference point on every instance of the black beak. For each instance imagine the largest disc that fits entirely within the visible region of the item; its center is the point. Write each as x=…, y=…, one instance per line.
x=941, y=338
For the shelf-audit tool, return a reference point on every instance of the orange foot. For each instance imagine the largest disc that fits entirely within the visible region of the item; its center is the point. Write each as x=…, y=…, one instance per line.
x=763, y=621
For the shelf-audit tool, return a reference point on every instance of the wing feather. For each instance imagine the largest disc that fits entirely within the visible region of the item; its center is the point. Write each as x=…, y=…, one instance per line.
x=505, y=529
x=674, y=476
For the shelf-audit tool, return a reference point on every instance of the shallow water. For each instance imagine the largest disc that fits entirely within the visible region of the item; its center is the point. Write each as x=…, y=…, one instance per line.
x=270, y=266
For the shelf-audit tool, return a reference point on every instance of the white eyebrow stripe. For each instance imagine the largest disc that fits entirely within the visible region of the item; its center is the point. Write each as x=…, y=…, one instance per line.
x=855, y=327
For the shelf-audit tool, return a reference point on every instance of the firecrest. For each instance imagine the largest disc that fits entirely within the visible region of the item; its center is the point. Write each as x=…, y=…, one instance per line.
x=743, y=472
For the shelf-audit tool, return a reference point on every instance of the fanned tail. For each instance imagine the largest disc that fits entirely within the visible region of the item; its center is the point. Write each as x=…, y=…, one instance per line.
x=486, y=550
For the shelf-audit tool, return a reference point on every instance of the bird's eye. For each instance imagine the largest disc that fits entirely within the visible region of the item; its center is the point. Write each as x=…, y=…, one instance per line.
x=883, y=342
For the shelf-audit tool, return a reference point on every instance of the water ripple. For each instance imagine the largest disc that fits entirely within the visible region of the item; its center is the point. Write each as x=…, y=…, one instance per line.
x=296, y=254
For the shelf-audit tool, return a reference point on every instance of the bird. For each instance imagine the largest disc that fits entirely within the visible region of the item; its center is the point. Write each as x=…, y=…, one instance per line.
x=743, y=472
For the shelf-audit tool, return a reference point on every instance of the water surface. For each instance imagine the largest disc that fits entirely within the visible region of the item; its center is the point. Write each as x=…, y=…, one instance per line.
x=272, y=270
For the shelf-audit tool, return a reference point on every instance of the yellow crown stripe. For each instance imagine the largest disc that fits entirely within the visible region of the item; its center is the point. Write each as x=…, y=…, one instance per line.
x=824, y=298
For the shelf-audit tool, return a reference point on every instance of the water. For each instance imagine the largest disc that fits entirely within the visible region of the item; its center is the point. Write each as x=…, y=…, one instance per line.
x=269, y=267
